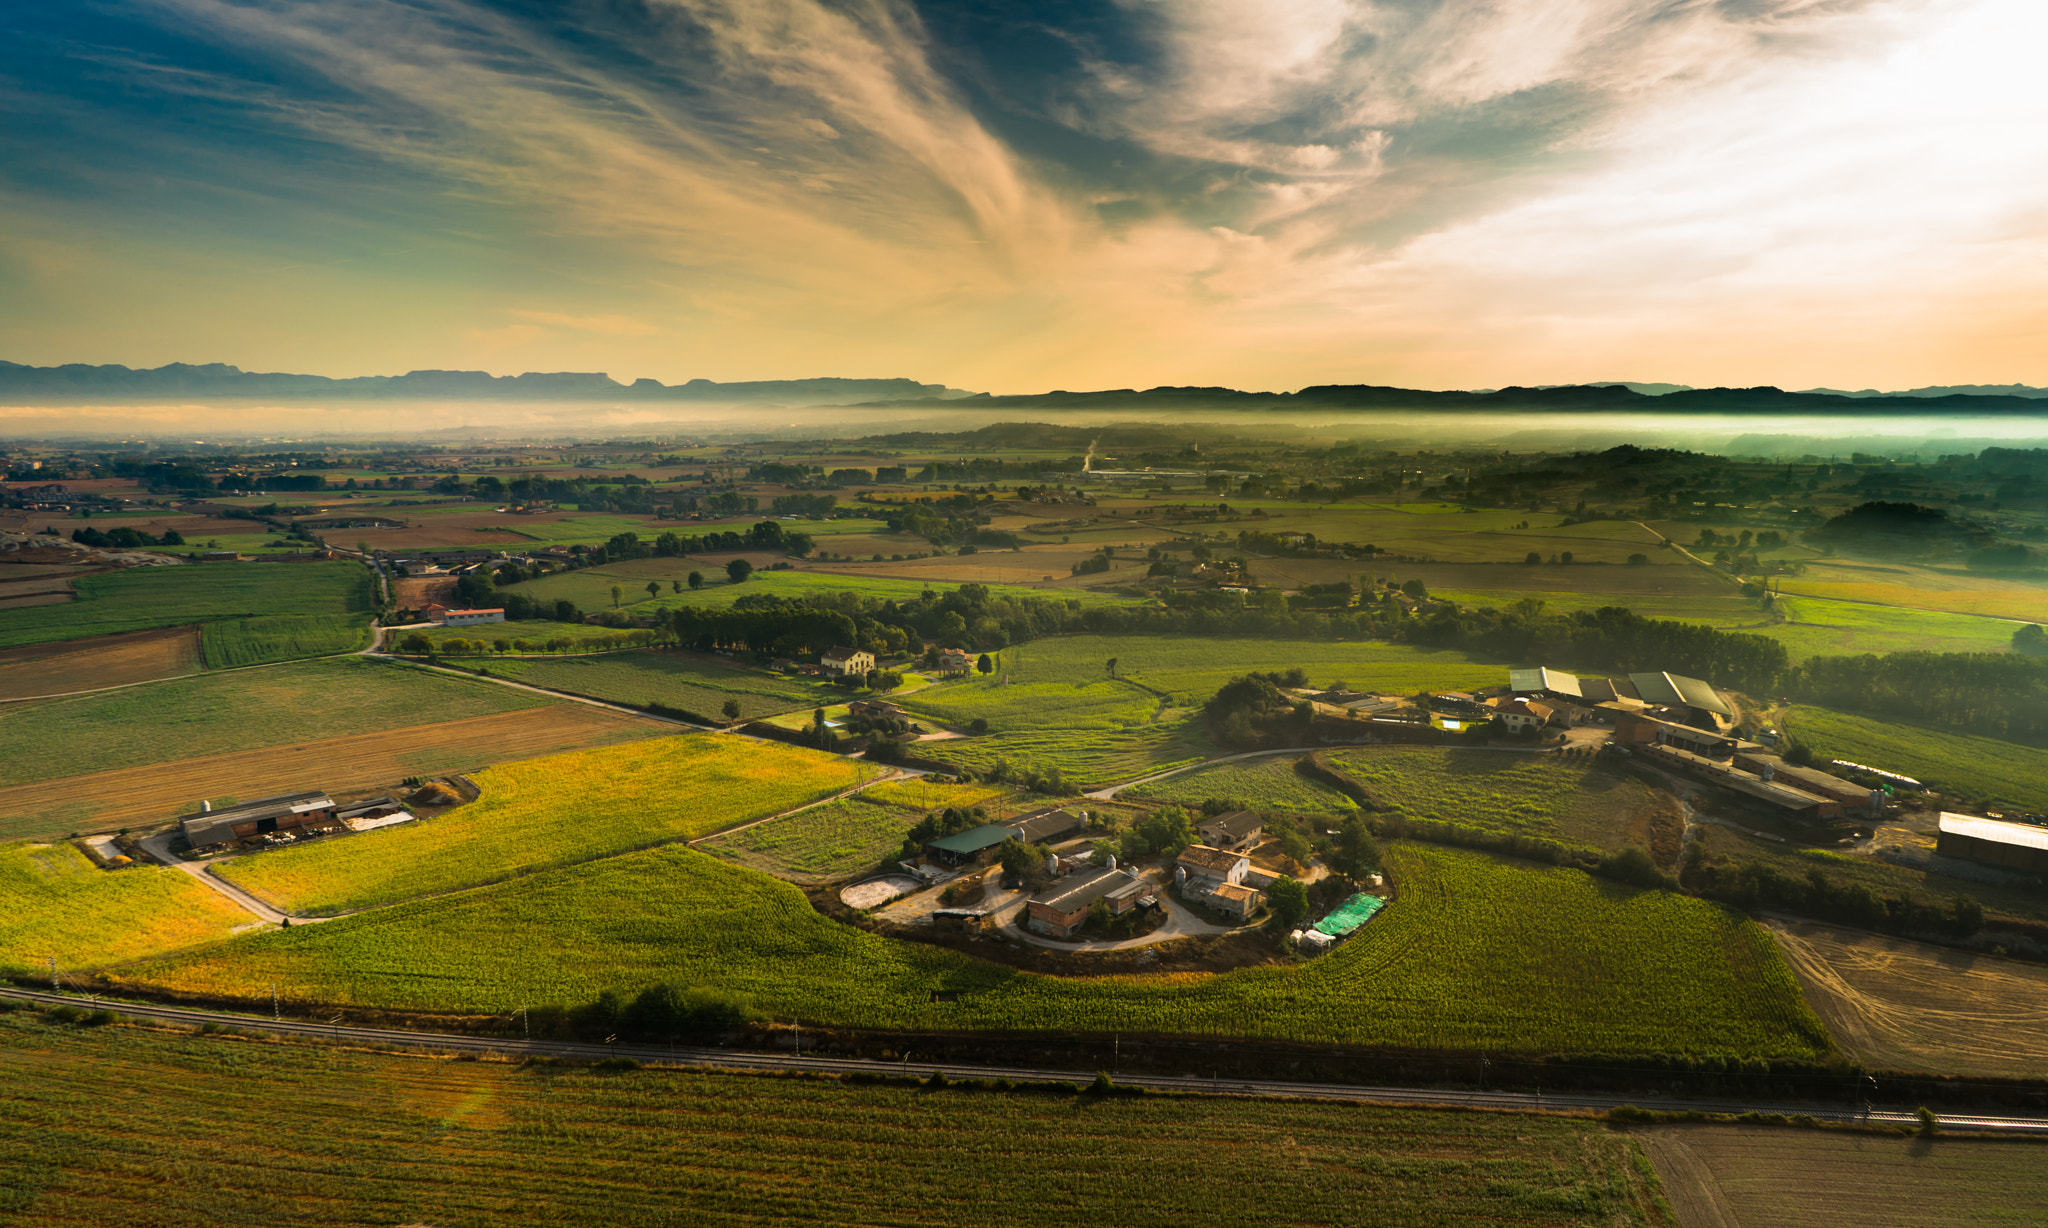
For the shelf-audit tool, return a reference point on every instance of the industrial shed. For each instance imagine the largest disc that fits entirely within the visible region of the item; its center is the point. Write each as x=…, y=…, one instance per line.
x=1993, y=842
x=1044, y=824
x=1061, y=909
x=286, y=812
x=1540, y=680
x=961, y=848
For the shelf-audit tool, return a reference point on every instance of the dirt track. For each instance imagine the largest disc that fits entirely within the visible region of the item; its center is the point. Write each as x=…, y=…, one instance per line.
x=1913, y=1006
x=102, y=661
x=134, y=797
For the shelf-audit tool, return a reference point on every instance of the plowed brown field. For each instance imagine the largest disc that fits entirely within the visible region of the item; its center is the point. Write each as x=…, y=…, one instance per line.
x=1764, y=1177
x=64, y=666
x=1912, y=1006
x=135, y=797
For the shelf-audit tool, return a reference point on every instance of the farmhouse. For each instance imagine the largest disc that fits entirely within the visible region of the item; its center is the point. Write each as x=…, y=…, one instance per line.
x=1202, y=869
x=1236, y=900
x=1234, y=831
x=844, y=662
x=1060, y=909
x=1044, y=824
x=1517, y=715
x=955, y=661
x=230, y=825
x=2010, y=846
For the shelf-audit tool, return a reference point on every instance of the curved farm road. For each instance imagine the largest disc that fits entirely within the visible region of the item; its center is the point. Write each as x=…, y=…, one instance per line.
x=159, y=847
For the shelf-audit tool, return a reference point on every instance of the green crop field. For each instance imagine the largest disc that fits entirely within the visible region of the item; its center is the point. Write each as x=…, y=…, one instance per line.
x=591, y=589
x=145, y=597
x=582, y=637
x=281, y=637
x=1505, y=791
x=1089, y=758
x=247, y=543
x=1192, y=668
x=1085, y=703
x=544, y=813
x=54, y=902
x=183, y=718
x=822, y=843
x=1474, y=954
x=120, y=1126
x=1819, y=627
x=2002, y=773
x=1261, y=784
x=689, y=683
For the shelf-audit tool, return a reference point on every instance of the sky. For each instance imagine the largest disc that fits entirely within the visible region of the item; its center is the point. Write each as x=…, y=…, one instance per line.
x=1020, y=197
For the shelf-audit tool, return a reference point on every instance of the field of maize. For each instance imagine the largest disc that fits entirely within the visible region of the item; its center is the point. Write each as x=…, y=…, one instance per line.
x=1502, y=791
x=120, y=1126
x=1475, y=954
x=55, y=902
x=281, y=637
x=541, y=814
x=822, y=843
x=1987, y=768
x=1261, y=784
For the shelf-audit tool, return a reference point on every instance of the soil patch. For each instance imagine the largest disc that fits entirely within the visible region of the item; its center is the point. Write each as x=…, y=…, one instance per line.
x=1764, y=1177
x=877, y=891
x=1898, y=1004
x=63, y=666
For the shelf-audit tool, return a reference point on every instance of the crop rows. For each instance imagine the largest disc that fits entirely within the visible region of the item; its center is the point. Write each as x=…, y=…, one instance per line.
x=825, y=842
x=1971, y=766
x=120, y=1127
x=641, y=678
x=1501, y=791
x=55, y=902
x=145, y=597
x=1262, y=784
x=281, y=637
x=1475, y=954
x=545, y=813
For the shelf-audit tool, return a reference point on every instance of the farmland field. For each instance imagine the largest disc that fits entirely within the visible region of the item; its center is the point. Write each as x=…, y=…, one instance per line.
x=282, y=637
x=91, y=1119
x=1921, y=588
x=141, y=796
x=1512, y=793
x=819, y=844
x=922, y=794
x=1895, y=1004
x=1261, y=784
x=62, y=666
x=582, y=637
x=546, y=813
x=212, y=714
x=147, y=597
x=1819, y=627
x=1089, y=758
x=1884, y=877
x=591, y=589
x=1963, y=764
x=1759, y=1177
x=55, y=902
x=1474, y=954
x=691, y=684
x=1192, y=668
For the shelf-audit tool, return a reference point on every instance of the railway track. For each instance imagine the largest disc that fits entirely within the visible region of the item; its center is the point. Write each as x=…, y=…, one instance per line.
x=780, y=1063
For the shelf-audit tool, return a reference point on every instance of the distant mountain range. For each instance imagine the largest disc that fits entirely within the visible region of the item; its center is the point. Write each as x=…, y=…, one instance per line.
x=79, y=381
x=24, y=384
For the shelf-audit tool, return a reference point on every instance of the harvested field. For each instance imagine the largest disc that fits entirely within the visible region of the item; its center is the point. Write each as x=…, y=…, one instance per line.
x=415, y=592
x=134, y=797
x=12, y=589
x=1763, y=1177
x=1890, y=1002
x=112, y=660
x=32, y=599
x=876, y=892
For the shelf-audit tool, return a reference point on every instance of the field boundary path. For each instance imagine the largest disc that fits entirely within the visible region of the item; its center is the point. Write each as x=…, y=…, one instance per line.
x=748, y=1060
x=894, y=773
x=159, y=847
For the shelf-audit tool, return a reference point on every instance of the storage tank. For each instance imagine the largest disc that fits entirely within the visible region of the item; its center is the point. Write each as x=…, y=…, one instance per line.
x=1052, y=864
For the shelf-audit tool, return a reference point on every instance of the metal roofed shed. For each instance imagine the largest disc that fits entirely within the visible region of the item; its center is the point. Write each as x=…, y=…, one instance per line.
x=1044, y=824
x=1531, y=679
x=962, y=847
x=1993, y=842
x=1349, y=915
x=1679, y=691
x=207, y=827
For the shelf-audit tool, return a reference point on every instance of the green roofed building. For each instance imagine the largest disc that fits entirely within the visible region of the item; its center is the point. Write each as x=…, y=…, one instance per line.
x=962, y=847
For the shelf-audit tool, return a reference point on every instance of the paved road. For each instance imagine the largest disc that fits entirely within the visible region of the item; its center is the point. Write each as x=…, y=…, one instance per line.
x=735, y=1059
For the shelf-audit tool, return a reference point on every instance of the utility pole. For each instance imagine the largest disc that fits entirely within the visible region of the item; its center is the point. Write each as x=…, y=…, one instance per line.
x=276, y=1011
x=53, y=974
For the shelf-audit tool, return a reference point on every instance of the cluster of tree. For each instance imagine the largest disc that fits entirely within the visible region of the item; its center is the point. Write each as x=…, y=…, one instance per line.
x=768, y=535
x=1890, y=527
x=2003, y=695
x=1251, y=708
x=1609, y=638
x=937, y=824
x=1094, y=564
x=1163, y=832
x=670, y=1010
x=124, y=538
x=803, y=505
x=1751, y=885
x=1302, y=545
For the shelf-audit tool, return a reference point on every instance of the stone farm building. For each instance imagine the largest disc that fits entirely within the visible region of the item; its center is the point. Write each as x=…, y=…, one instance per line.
x=845, y=662
x=1062, y=908
x=1994, y=842
x=1233, y=831
x=209, y=828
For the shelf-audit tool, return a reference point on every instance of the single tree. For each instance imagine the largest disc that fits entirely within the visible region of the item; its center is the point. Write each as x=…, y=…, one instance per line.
x=675, y=586
x=1112, y=667
x=1532, y=558
x=617, y=594
x=416, y=643
x=653, y=589
x=731, y=709
x=1294, y=845
x=696, y=579
x=2031, y=639
x=738, y=570
x=1356, y=852
x=986, y=665
x=1289, y=901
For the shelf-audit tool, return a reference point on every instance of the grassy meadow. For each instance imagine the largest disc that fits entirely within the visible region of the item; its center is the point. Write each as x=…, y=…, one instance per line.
x=591, y=588
x=545, y=813
x=1475, y=954
x=144, y=597
x=55, y=902
x=281, y=637
x=1508, y=792
x=1959, y=764
x=1271, y=783
x=92, y=1120
x=822, y=843
x=210, y=714
x=691, y=684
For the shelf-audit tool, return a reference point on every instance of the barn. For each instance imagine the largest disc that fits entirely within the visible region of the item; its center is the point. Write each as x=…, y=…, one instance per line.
x=1994, y=842
x=208, y=827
